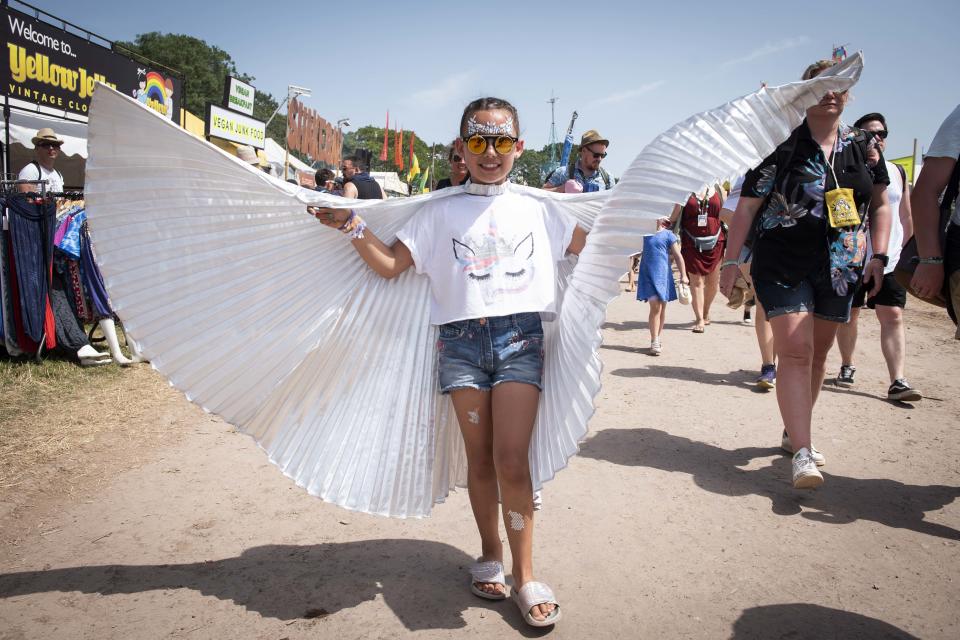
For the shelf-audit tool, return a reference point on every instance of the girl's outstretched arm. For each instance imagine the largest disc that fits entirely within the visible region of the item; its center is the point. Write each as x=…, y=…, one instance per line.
x=389, y=262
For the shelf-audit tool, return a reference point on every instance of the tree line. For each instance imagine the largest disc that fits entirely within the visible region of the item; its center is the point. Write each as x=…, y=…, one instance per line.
x=205, y=66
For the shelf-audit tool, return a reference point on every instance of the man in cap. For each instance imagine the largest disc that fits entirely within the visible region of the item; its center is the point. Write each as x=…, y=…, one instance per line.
x=46, y=149
x=586, y=175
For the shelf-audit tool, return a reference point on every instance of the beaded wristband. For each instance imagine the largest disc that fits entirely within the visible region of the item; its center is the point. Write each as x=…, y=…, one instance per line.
x=353, y=226
x=357, y=232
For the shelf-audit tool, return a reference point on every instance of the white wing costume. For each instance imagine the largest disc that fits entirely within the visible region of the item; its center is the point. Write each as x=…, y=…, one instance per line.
x=265, y=317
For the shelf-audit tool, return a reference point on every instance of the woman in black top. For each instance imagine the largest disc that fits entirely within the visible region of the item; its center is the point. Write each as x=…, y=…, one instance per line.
x=809, y=246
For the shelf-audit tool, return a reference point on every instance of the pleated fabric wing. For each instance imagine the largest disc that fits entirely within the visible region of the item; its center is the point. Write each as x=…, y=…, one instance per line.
x=263, y=316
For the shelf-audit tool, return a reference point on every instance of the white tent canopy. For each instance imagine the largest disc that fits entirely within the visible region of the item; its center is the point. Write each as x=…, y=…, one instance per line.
x=23, y=126
x=276, y=154
x=391, y=182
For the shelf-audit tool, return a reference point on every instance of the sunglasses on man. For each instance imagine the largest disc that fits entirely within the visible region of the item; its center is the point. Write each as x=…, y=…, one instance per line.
x=597, y=155
x=882, y=134
x=50, y=145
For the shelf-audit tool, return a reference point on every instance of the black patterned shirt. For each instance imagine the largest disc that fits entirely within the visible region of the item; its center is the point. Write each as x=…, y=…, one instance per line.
x=793, y=236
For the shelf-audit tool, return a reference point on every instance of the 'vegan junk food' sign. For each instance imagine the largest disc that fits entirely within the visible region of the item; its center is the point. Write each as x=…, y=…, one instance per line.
x=308, y=133
x=53, y=68
x=236, y=127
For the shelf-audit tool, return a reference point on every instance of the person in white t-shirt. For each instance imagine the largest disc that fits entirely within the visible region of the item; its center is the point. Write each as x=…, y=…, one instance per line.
x=938, y=166
x=892, y=297
x=46, y=148
x=490, y=254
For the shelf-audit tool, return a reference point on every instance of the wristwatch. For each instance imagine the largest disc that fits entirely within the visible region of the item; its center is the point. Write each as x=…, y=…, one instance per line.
x=882, y=257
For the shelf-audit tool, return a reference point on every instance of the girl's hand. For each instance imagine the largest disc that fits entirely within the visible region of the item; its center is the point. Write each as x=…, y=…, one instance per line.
x=728, y=278
x=329, y=217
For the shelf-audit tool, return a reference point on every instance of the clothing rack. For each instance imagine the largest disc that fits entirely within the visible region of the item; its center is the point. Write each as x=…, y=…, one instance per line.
x=11, y=189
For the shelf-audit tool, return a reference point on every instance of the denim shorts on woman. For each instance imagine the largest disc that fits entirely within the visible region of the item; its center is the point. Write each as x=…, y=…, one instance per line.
x=814, y=294
x=482, y=353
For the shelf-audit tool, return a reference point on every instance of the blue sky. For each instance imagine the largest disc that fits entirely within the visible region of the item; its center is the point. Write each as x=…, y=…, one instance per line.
x=630, y=69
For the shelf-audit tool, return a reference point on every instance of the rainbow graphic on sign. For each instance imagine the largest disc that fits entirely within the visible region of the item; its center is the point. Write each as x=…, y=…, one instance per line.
x=156, y=92
x=154, y=89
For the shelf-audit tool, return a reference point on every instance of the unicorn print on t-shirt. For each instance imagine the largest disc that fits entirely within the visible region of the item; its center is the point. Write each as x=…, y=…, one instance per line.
x=499, y=266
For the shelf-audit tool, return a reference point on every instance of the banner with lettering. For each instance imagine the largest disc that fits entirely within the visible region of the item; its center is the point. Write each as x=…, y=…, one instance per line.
x=308, y=133
x=48, y=66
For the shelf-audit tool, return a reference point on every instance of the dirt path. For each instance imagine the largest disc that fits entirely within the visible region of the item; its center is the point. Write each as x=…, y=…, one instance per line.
x=676, y=521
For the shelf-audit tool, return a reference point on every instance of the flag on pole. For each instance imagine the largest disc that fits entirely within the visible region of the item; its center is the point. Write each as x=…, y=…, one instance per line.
x=839, y=53
x=386, y=130
x=907, y=162
x=423, y=179
x=412, y=138
x=414, y=168
x=399, y=158
x=396, y=144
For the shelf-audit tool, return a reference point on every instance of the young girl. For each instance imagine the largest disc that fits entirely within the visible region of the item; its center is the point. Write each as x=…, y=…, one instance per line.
x=490, y=254
x=655, y=279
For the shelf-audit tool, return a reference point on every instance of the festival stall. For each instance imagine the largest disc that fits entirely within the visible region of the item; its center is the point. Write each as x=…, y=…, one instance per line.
x=50, y=286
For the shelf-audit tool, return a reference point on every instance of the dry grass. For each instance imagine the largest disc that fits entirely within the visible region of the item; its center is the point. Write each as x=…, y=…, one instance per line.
x=55, y=417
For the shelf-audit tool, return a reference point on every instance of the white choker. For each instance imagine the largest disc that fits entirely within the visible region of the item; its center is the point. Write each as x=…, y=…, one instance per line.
x=485, y=189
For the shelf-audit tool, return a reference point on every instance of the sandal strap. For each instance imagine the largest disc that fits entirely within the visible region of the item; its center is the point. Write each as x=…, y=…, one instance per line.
x=488, y=571
x=533, y=593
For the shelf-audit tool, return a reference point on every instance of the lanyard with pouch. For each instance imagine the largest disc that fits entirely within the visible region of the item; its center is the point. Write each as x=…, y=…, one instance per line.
x=840, y=204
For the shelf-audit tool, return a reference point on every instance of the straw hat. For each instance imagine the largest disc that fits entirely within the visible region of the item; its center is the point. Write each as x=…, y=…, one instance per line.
x=46, y=135
x=249, y=155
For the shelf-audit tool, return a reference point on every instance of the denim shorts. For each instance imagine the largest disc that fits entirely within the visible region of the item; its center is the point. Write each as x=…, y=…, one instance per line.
x=483, y=352
x=813, y=294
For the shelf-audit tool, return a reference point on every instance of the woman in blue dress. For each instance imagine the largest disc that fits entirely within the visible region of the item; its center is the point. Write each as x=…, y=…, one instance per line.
x=655, y=280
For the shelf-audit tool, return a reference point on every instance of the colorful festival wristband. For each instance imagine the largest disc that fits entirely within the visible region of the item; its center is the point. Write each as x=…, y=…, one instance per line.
x=353, y=226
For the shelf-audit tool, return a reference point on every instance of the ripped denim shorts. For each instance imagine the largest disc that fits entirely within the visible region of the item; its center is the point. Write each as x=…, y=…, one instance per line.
x=483, y=352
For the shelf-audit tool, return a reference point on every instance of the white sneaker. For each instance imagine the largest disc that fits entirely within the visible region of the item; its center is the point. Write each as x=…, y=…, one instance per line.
x=805, y=472
x=787, y=446
x=655, y=348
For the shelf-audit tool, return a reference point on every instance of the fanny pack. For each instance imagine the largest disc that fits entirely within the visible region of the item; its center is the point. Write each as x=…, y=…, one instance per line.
x=704, y=243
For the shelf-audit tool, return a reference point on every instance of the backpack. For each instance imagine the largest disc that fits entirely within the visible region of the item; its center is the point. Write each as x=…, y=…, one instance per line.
x=603, y=174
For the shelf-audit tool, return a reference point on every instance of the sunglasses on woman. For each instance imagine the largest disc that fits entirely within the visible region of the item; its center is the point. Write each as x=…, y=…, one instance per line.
x=477, y=144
